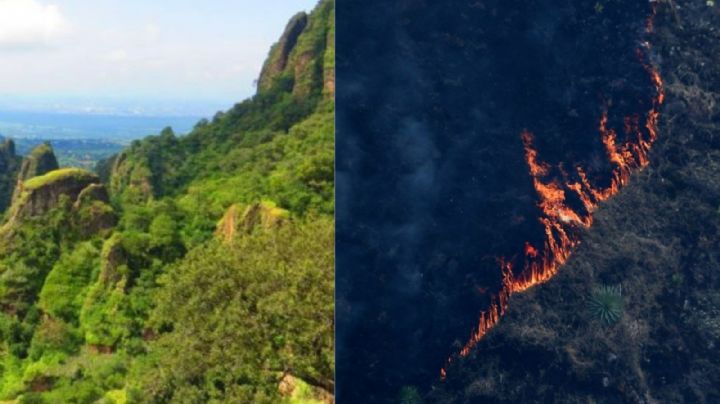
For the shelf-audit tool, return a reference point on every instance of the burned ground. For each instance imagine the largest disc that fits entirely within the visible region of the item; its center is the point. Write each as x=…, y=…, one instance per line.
x=658, y=239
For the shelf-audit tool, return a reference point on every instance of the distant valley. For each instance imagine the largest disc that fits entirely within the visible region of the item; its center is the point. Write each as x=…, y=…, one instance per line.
x=81, y=140
x=80, y=153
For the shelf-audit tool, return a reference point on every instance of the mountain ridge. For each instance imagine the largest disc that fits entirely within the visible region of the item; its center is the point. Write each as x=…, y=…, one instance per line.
x=92, y=267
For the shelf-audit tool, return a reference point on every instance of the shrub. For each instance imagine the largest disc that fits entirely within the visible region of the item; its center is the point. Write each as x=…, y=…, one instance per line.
x=409, y=395
x=606, y=304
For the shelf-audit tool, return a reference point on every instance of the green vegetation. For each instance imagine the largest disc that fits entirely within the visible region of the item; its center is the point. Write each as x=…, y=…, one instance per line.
x=409, y=395
x=606, y=304
x=57, y=175
x=260, y=305
x=206, y=274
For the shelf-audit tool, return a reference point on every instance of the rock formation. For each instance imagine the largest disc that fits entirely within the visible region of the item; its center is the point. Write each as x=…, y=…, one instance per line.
x=303, y=59
x=9, y=164
x=280, y=52
x=82, y=189
x=41, y=160
x=236, y=221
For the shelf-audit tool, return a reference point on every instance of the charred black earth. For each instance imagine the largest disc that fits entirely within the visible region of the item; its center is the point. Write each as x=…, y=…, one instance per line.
x=433, y=184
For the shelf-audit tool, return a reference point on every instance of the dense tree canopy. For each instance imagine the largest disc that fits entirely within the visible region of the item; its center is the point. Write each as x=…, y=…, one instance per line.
x=137, y=285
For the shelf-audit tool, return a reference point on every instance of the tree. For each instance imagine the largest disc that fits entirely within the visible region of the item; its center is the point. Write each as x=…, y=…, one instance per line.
x=241, y=315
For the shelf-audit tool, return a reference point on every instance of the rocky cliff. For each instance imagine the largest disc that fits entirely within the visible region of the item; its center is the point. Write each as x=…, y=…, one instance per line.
x=280, y=52
x=81, y=190
x=297, y=81
x=303, y=59
x=41, y=160
x=9, y=164
x=238, y=221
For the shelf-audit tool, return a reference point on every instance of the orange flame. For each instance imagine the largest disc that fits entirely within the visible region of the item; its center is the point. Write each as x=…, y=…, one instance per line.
x=560, y=221
x=530, y=251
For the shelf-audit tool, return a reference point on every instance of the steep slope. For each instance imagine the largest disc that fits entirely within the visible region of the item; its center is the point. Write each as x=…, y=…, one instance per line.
x=203, y=273
x=39, y=195
x=632, y=316
x=41, y=160
x=294, y=97
x=62, y=207
x=441, y=215
x=9, y=164
x=279, y=56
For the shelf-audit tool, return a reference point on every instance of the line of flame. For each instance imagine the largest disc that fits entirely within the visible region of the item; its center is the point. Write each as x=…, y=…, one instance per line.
x=560, y=221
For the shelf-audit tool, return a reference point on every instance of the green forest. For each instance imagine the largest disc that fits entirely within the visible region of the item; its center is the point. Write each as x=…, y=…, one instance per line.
x=184, y=269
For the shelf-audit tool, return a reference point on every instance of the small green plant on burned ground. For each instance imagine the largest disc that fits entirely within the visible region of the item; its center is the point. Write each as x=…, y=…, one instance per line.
x=606, y=304
x=409, y=395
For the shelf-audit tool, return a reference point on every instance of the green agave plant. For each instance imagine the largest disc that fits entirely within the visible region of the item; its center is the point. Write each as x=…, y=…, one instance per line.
x=606, y=303
x=409, y=395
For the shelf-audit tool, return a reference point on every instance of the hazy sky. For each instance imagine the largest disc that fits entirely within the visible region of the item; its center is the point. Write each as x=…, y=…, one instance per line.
x=152, y=56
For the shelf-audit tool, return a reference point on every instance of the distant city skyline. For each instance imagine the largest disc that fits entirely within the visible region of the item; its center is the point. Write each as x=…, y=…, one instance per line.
x=134, y=57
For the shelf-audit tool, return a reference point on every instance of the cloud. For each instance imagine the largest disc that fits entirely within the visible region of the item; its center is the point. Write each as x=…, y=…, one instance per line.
x=29, y=23
x=152, y=32
x=118, y=55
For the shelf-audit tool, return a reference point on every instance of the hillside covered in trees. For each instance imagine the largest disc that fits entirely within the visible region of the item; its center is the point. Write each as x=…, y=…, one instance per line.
x=185, y=269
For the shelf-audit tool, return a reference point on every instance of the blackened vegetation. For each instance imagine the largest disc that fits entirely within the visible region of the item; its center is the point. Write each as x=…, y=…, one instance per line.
x=433, y=185
x=659, y=238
